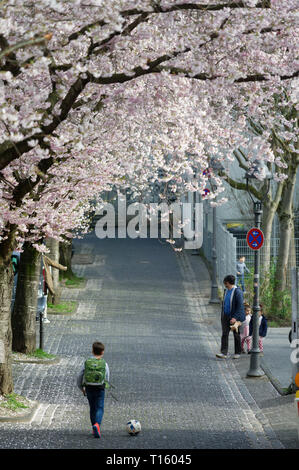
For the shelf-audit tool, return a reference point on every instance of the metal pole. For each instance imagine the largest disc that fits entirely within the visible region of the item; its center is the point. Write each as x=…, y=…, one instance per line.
x=214, y=289
x=41, y=332
x=295, y=325
x=255, y=370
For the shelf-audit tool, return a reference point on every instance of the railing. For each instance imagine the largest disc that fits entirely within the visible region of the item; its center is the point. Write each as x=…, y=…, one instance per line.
x=225, y=251
x=243, y=249
x=230, y=248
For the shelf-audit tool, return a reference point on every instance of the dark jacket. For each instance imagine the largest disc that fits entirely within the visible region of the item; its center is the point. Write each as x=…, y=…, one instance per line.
x=237, y=305
x=262, y=329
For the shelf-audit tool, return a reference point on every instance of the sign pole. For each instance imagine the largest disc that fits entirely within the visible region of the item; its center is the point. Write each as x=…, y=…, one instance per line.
x=255, y=370
x=295, y=326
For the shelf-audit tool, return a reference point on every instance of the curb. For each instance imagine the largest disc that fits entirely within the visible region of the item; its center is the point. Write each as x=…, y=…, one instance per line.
x=56, y=360
x=274, y=381
x=22, y=418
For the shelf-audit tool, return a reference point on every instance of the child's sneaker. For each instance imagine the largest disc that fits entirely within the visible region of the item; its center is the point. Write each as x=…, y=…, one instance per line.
x=96, y=430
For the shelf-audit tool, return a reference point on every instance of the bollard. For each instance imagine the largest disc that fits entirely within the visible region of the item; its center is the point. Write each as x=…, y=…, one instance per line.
x=41, y=331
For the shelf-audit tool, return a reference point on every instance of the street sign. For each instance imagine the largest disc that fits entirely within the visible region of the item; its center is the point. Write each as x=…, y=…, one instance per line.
x=255, y=238
x=206, y=191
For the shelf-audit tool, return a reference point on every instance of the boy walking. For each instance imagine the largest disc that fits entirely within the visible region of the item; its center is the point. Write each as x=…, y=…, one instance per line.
x=92, y=381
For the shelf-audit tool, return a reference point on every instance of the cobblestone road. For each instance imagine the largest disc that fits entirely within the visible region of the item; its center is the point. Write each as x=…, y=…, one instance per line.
x=141, y=300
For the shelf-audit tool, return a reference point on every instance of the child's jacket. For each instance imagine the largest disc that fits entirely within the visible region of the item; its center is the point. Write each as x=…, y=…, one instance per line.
x=263, y=326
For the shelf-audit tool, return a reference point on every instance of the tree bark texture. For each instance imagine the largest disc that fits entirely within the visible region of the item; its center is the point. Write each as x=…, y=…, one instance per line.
x=53, y=246
x=25, y=307
x=6, y=287
x=286, y=224
x=65, y=258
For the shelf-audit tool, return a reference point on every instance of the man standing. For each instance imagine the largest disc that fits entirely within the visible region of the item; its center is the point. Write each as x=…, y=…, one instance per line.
x=241, y=268
x=231, y=312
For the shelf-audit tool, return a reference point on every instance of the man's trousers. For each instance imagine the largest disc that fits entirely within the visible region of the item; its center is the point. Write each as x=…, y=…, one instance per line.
x=225, y=322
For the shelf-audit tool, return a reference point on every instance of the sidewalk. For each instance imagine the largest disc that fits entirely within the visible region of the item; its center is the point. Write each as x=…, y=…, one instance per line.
x=268, y=391
x=276, y=361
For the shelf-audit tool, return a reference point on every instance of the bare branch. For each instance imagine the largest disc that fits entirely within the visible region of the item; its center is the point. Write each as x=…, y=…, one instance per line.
x=241, y=164
x=240, y=186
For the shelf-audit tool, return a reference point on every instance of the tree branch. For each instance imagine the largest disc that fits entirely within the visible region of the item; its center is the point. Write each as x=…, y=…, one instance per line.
x=241, y=164
x=205, y=77
x=240, y=186
x=197, y=6
x=128, y=29
x=20, y=45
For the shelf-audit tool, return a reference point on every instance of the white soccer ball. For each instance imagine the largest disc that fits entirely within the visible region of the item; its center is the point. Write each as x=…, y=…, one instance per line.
x=133, y=427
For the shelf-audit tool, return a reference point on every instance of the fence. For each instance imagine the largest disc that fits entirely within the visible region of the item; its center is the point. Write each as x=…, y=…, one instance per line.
x=226, y=250
x=243, y=249
x=229, y=248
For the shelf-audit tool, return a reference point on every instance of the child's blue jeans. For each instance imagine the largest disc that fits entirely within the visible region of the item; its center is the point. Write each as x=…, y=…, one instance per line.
x=240, y=279
x=96, y=397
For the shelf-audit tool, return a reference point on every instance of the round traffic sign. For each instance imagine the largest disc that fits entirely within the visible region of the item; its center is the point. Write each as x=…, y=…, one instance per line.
x=207, y=172
x=206, y=191
x=255, y=238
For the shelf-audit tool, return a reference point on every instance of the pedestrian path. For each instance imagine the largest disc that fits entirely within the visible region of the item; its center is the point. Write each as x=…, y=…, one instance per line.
x=277, y=356
x=269, y=390
x=141, y=299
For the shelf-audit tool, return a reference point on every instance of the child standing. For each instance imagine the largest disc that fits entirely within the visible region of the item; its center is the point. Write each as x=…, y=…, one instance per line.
x=262, y=329
x=241, y=268
x=245, y=329
x=92, y=381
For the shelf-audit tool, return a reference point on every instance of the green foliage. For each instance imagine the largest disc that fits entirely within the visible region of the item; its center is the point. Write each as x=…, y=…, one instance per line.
x=72, y=280
x=277, y=305
x=12, y=402
x=39, y=353
x=63, y=307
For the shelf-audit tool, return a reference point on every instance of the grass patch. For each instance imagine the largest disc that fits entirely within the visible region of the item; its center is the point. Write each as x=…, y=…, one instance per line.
x=73, y=281
x=63, y=307
x=40, y=354
x=12, y=402
x=280, y=323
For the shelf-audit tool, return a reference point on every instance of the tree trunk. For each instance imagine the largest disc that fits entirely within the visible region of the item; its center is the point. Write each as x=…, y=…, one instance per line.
x=292, y=258
x=53, y=246
x=286, y=222
x=65, y=258
x=268, y=215
x=24, y=312
x=6, y=287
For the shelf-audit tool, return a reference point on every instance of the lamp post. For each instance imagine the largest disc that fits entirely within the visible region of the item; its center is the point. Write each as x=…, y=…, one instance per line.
x=255, y=369
x=214, y=299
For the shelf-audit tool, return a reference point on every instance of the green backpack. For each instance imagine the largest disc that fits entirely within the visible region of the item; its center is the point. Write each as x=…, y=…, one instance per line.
x=94, y=372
